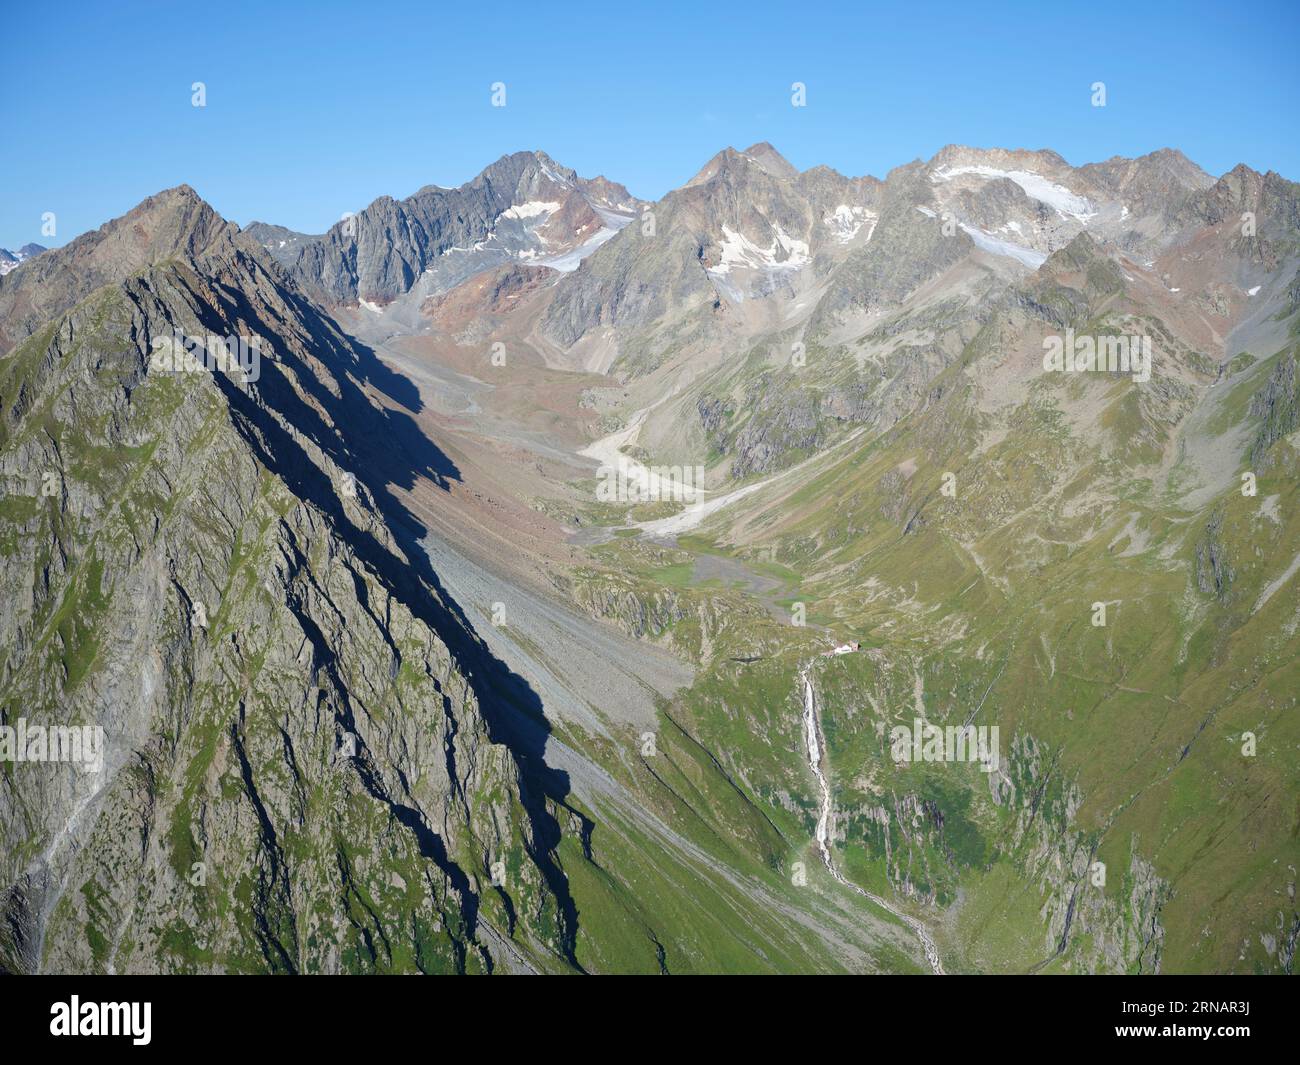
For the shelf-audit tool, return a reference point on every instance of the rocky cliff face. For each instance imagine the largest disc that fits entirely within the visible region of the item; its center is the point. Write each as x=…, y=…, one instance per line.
x=174, y=222
x=808, y=303
x=310, y=762
x=747, y=226
x=525, y=207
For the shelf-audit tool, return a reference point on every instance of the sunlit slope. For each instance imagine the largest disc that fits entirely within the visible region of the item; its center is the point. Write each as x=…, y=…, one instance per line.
x=1122, y=742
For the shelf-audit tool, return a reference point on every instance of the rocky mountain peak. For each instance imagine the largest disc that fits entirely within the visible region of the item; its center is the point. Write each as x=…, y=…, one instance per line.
x=175, y=222
x=713, y=167
x=1236, y=191
x=10, y=260
x=1242, y=182
x=729, y=161
x=525, y=207
x=1037, y=160
x=770, y=160
x=522, y=175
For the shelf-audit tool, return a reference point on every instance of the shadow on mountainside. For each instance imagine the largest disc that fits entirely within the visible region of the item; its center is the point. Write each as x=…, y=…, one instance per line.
x=382, y=448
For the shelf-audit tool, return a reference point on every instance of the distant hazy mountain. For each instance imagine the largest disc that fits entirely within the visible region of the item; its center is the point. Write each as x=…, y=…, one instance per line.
x=10, y=259
x=283, y=244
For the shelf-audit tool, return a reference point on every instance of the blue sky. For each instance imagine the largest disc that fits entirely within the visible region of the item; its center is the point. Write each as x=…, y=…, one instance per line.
x=316, y=109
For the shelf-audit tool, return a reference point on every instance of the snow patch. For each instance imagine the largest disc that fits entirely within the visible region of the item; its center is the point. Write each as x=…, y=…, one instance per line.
x=988, y=242
x=531, y=209
x=568, y=262
x=1058, y=197
x=845, y=221
x=10, y=260
x=784, y=253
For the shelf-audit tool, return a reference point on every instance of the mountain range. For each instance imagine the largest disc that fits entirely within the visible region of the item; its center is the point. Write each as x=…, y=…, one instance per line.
x=10, y=259
x=387, y=683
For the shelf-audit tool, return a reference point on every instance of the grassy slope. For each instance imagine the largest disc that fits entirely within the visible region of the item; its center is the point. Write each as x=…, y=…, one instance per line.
x=1124, y=740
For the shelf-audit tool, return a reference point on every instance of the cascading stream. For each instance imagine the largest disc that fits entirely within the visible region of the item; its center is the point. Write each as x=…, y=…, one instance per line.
x=813, y=739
